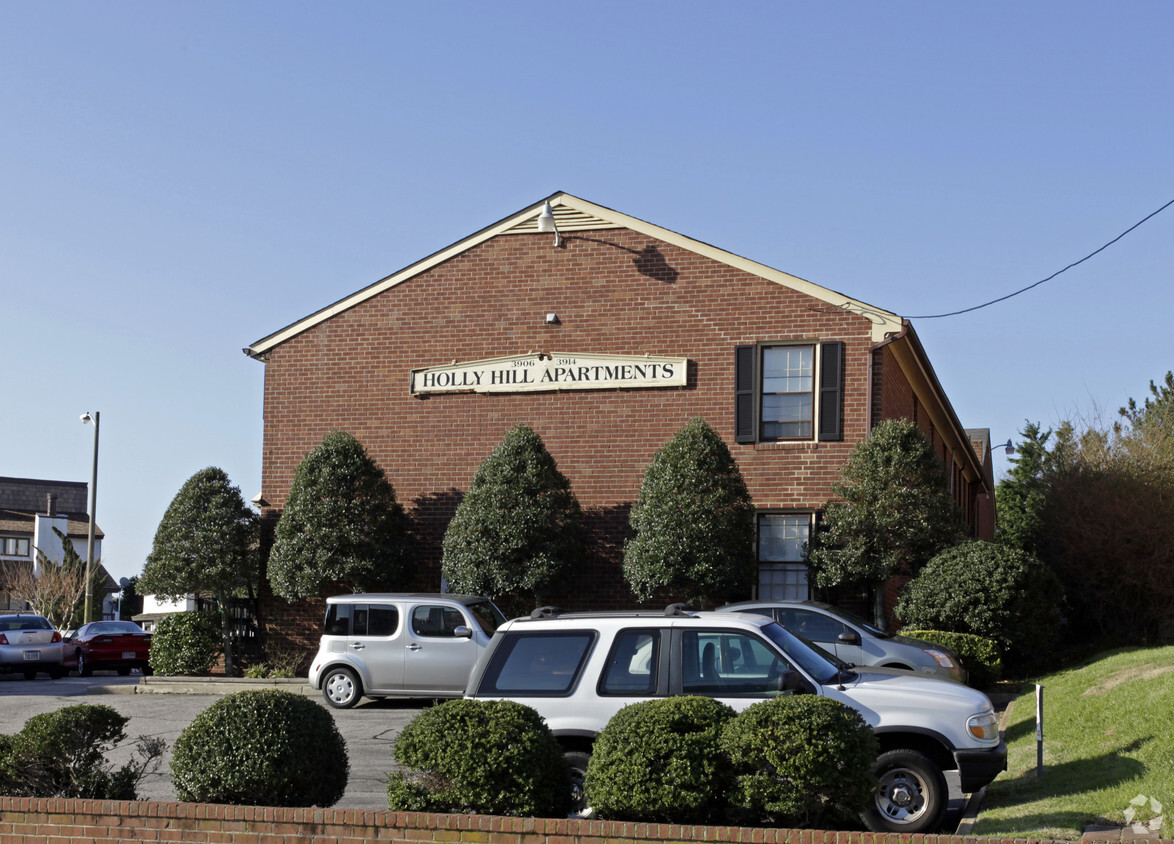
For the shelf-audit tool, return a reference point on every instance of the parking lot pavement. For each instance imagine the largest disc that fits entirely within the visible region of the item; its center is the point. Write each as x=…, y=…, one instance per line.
x=369, y=729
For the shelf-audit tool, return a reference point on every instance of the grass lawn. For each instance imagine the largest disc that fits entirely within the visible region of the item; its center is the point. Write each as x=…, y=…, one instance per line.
x=1108, y=737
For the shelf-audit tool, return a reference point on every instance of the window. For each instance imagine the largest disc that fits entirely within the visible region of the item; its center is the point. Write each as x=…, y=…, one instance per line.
x=632, y=665
x=437, y=621
x=725, y=663
x=360, y=620
x=782, y=574
x=781, y=393
x=538, y=663
x=11, y=546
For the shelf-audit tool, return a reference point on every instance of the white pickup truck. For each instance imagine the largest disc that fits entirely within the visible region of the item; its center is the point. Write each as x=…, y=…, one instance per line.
x=578, y=669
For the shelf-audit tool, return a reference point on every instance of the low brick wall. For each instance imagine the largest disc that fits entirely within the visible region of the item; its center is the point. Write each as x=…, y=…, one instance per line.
x=25, y=820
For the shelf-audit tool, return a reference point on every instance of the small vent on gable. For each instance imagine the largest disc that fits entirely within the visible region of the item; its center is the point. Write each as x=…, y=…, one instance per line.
x=567, y=220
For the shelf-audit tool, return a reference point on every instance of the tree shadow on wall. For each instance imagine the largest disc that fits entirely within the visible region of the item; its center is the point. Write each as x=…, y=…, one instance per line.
x=430, y=514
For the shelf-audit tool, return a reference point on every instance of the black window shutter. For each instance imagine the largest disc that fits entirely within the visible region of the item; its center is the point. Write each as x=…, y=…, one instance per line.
x=745, y=430
x=831, y=391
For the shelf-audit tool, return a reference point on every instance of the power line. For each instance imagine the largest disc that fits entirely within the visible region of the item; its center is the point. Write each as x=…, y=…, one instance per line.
x=1053, y=275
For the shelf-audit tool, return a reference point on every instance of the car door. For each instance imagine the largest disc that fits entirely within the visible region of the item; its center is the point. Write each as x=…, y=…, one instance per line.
x=827, y=631
x=376, y=646
x=439, y=650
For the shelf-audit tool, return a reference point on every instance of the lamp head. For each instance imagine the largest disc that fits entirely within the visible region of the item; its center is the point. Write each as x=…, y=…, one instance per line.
x=85, y=417
x=546, y=219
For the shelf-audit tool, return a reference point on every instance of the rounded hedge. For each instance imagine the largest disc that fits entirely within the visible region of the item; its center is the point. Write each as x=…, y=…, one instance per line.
x=659, y=760
x=989, y=590
x=261, y=748
x=798, y=760
x=979, y=656
x=491, y=757
x=185, y=643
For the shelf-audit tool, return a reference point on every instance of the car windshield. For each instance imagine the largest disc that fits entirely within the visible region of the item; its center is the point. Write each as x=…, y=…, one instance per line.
x=860, y=622
x=115, y=627
x=487, y=615
x=821, y=665
x=24, y=622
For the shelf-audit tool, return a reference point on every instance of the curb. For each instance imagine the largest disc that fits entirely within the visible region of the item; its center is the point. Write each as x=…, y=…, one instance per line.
x=206, y=686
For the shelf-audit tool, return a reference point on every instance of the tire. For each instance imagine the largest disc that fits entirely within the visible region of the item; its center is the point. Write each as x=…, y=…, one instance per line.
x=341, y=688
x=123, y=670
x=84, y=668
x=577, y=770
x=56, y=673
x=911, y=794
x=29, y=674
x=147, y=670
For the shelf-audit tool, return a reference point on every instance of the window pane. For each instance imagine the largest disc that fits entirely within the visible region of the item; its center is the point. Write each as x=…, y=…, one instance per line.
x=383, y=620
x=787, y=392
x=725, y=664
x=632, y=665
x=781, y=537
x=538, y=663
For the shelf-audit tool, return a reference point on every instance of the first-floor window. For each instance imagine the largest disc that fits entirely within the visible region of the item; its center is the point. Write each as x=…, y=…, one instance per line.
x=782, y=574
x=11, y=546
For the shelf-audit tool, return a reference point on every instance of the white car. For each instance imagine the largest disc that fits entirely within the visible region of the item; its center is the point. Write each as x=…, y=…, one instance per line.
x=400, y=644
x=854, y=640
x=28, y=644
x=579, y=669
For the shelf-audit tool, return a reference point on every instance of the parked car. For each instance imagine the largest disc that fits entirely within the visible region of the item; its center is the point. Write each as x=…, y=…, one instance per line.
x=854, y=640
x=28, y=644
x=393, y=644
x=118, y=645
x=579, y=669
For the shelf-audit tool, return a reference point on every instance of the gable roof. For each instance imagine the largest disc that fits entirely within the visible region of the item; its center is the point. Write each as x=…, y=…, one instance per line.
x=574, y=214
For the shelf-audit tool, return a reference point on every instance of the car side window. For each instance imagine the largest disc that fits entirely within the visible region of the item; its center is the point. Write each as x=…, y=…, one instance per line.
x=382, y=620
x=543, y=664
x=338, y=620
x=816, y=626
x=719, y=662
x=437, y=621
x=632, y=666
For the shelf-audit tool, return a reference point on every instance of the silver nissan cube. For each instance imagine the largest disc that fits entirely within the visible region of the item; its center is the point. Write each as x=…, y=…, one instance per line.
x=400, y=644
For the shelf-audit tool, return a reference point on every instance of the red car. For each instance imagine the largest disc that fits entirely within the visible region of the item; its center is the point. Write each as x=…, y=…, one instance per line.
x=120, y=645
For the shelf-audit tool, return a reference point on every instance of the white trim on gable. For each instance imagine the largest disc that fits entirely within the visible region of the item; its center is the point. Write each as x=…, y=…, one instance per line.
x=575, y=214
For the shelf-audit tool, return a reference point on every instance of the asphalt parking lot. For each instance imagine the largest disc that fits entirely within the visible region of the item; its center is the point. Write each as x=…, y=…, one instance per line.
x=369, y=729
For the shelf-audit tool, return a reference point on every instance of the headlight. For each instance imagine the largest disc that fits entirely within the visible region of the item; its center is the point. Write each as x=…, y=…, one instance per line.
x=941, y=658
x=984, y=727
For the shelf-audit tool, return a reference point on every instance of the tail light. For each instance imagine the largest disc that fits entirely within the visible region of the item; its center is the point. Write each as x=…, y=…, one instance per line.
x=3, y=639
x=56, y=637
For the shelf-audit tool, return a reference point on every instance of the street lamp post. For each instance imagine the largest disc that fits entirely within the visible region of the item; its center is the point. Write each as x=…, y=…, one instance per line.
x=94, y=418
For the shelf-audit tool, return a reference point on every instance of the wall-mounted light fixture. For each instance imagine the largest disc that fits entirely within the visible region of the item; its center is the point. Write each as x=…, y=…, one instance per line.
x=552, y=319
x=547, y=224
x=1008, y=447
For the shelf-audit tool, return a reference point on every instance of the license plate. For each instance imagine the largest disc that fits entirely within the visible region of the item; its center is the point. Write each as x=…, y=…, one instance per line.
x=32, y=655
x=128, y=654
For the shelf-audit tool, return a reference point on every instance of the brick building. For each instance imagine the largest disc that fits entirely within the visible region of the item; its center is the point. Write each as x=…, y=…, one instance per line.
x=606, y=338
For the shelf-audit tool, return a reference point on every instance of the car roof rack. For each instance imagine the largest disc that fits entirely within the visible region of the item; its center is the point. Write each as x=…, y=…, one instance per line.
x=679, y=609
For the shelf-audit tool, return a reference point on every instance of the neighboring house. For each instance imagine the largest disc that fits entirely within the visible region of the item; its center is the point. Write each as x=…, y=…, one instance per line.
x=155, y=608
x=606, y=339
x=29, y=511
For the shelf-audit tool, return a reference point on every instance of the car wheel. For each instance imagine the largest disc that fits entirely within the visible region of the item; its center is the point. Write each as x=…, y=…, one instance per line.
x=123, y=670
x=30, y=675
x=56, y=673
x=83, y=665
x=577, y=771
x=910, y=795
x=148, y=670
x=341, y=688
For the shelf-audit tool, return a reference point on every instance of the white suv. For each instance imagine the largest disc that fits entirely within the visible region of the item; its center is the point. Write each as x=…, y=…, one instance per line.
x=390, y=644
x=579, y=669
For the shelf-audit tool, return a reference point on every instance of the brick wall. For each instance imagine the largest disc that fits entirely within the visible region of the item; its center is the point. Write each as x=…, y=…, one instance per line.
x=58, y=821
x=352, y=372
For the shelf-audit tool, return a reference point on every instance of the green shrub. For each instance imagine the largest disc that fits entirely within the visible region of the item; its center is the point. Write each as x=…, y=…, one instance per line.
x=799, y=760
x=990, y=590
x=659, y=760
x=63, y=754
x=980, y=656
x=492, y=757
x=185, y=643
x=280, y=662
x=261, y=748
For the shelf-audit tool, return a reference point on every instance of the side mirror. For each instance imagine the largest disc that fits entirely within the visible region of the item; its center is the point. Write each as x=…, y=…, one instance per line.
x=462, y=632
x=792, y=682
x=850, y=637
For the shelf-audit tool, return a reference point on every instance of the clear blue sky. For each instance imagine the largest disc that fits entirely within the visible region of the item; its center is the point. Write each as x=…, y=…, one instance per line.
x=178, y=180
